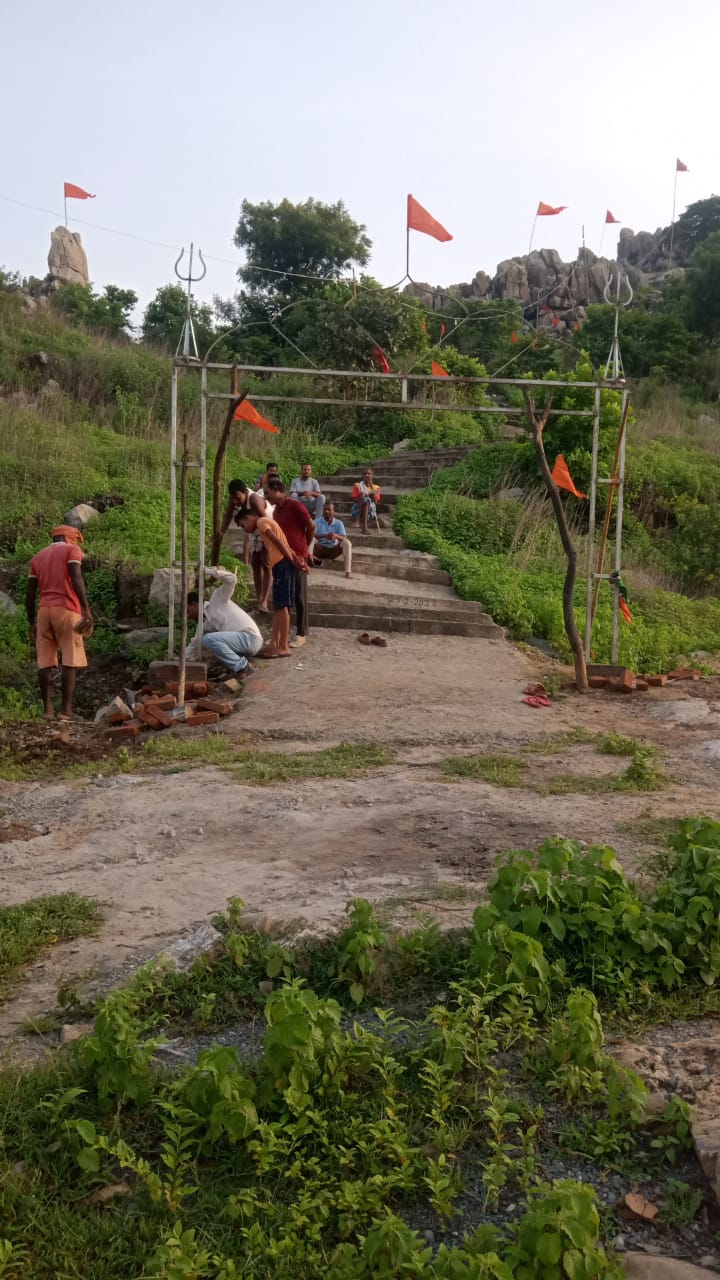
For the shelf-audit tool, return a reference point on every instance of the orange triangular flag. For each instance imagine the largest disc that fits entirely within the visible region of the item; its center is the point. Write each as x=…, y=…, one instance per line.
x=418, y=219
x=76, y=193
x=624, y=609
x=437, y=370
x=563, y=479
x=609, y=217
x=547, y=210
x=248, y=413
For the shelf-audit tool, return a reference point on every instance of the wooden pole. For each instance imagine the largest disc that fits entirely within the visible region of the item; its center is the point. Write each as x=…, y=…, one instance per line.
x=608, y=511
x=538, y=421
x=217, y=477
x=183, y=574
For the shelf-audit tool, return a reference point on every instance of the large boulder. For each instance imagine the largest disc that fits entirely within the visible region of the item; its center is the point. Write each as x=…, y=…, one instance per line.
x=7, y=604
x=67, y=261
x=160, y=587
x=511, y=280
x=80, y=516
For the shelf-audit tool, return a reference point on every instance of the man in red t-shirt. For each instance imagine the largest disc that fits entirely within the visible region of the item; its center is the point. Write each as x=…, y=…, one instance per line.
x=299, y=529
x=63, y=617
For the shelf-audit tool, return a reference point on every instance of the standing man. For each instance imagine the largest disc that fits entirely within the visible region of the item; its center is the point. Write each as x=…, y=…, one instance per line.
x=331, y=540
x=299, y=529
x=307, y=491
x=284, y=564
x=240, y=499
x=226, y=630
x=63, y=617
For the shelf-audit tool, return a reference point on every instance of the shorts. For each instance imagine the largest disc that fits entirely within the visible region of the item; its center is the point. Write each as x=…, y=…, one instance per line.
x=283, y=587
x=56, y=630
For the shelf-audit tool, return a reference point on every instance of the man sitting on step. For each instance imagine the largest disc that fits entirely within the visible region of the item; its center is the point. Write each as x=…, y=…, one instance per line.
x=226, y=630
x=307, y=491
x=331, y=540
x=366, y=495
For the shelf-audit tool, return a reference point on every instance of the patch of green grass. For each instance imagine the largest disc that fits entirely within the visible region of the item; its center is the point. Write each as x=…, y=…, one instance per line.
x=642, y=774
x=655, y=831
x=26, y=929
x=501, y=770
x=617, y=744
x=265, y=767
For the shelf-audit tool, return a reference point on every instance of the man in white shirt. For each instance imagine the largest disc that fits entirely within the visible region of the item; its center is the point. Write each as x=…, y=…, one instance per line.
x=227, y=631
x=307, y=491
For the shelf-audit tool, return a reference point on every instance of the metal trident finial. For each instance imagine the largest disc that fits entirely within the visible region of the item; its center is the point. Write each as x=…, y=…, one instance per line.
x=614, y=360
x=188, y=331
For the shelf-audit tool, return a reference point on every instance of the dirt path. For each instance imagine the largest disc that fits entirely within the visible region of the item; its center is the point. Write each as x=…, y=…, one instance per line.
x=165, y=851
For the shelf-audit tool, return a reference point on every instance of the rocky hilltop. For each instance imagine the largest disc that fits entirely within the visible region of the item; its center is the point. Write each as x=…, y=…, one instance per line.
x=553, y=293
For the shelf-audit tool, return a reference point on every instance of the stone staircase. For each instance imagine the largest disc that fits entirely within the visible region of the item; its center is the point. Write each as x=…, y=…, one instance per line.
x=393, y=589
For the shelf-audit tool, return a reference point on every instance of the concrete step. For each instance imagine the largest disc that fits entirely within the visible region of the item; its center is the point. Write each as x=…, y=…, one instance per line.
x=340, y=493
x=372, y=592
x=410, y=566
x=384, y=540
x=406, y=624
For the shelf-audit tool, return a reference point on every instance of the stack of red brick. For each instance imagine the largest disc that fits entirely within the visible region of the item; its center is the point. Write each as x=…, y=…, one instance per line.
x=626, y=682
x=153, y=707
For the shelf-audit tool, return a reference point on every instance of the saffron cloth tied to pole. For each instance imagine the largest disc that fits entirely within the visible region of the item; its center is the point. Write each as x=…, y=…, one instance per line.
x=545, y=211
x=71, y=192
x=418, y=219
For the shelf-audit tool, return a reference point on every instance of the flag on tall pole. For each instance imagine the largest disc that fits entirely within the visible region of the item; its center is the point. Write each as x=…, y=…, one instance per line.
x=71, y=192
x=545, y=211
x=418, y=219
x=609, y=217
x=679, y=168
x=246, y=412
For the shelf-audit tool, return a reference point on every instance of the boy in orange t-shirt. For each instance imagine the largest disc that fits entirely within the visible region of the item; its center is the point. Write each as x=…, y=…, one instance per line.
x=63, y=617
x=283, y=563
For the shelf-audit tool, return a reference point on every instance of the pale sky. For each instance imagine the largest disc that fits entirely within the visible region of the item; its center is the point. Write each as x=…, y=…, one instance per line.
x=173, y=113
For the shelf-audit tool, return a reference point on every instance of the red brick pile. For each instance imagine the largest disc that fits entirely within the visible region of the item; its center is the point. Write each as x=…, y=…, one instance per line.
x=626, y=682
x=154, y=707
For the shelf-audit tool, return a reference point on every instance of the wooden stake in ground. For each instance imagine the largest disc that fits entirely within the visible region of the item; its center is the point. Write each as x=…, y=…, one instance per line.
x=538, y=422
x=183, y=574
x=217, y=477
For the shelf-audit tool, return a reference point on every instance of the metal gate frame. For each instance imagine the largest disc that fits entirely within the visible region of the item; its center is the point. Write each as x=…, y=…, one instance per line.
x=183, y=363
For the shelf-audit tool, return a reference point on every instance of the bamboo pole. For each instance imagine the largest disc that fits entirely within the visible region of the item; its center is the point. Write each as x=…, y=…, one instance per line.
x=608, y=510
x=217, y=477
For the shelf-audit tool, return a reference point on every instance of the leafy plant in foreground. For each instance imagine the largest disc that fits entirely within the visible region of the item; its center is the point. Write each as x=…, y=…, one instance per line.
x=356, y=964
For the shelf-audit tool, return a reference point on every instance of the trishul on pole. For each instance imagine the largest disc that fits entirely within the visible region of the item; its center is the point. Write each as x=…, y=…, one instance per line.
x=187, y=337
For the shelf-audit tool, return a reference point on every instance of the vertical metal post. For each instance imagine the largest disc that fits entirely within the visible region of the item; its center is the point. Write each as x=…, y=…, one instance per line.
x=173, y=509
x=182, y=663
x=591, y=525
x=618, y=525
x=203, y=454
x=404, y=391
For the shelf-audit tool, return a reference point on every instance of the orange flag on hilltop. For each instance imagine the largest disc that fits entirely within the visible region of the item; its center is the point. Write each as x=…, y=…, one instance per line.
x=246, y=412
x=76, y=193
x=437, y=370
x=563, y=479
x=610, y=218
x=418, y=219
x=547, y=210
x=680, y=167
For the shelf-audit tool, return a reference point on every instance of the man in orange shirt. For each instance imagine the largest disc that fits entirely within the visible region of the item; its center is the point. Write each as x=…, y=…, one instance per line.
x=283, y=563
x=63, y=617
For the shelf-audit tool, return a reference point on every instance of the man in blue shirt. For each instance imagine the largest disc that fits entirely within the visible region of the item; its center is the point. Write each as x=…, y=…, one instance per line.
x=331, y=540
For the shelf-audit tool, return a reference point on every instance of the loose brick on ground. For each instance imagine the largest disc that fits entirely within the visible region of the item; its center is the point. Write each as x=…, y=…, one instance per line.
x=130, y=729
x=598, y=682
x=161, y=717
x=202, y=717
x=641, y=685
x=684, y=673
x=214, y=704
x=626, y=682
x=656, y=682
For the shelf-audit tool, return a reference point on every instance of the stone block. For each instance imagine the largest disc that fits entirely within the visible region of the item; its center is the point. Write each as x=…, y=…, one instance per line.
x=164, y=671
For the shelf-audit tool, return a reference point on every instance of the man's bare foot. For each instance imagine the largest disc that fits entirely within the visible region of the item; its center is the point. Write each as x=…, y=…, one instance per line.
x=275, y=653
x=49, y=713
x=298, y=642
x=348, y=575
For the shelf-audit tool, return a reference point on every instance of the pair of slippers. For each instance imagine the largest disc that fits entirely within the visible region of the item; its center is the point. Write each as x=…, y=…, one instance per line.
x=537, y=696
x=379, y=641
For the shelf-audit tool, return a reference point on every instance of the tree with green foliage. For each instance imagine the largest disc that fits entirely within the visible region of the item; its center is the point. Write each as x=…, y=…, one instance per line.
x=164, y=317
x=655, y=341
x=108, y=312
x=340, y=327
x=285, y=242
x=703, y=288
x=699, y=221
